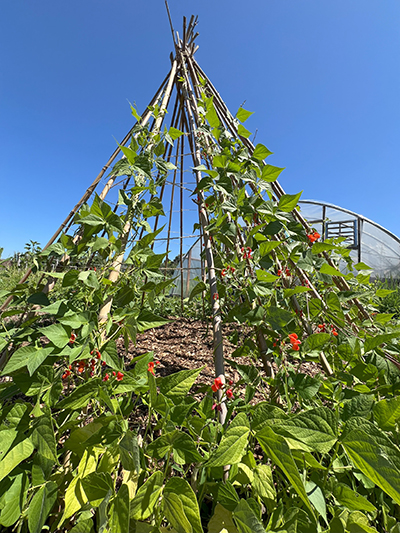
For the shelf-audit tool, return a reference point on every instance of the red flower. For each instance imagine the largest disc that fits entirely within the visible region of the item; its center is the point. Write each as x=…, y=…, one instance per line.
x=229, y=394
x=223, y=272
x=217, y=407
x=150, y=367
x=120, y=376
x=313, y=237
x=106, y=377
x=335, y=333
x=287, y=272
x=66, y=374
x=295, y=341
x=98, y=354
x=114, y=373
x=72, y=338
x=216, y=296
x=279, y=273
x=217, y=384
x=232, y=269
x=231, y=382
x=103, y=363
x=158, y=363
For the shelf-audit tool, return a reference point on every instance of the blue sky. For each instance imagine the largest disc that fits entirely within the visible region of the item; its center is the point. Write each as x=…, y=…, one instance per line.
x=323, y=78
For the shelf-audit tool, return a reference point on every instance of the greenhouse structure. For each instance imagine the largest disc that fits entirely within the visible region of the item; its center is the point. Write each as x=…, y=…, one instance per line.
x=369, y=243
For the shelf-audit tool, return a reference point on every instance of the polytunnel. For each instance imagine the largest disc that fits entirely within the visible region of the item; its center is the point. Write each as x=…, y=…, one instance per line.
x=369, y=242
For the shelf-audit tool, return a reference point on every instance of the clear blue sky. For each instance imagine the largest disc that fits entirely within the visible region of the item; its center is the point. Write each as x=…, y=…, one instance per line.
x=322, y=76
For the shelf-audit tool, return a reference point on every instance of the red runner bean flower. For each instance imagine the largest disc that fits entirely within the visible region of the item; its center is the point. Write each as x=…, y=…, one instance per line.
x=229, y=394
x=120, y=376
x=217, y=384
x=72, y=338
x=150, y=367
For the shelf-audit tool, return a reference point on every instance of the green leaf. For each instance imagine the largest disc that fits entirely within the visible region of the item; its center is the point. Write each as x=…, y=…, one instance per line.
x=197, y=289
x=174, y=133
x=278, y=317
x=43, y=438
x=12, y=501
x=15, y=456
x=41, y=506
x=245, y=519
x=332, y=271
x=176, y=386
x=96, y=486
x=288, y=202
x=277, y=449
x=270, y=173
x=243, y=132
x=351, y=499
x=181, y=488
x=261, y=152
x=57, y=334
x=233, y=443
x=39, y=298
x=129, y=450
x=267, y=246
x=180, y=443
x=387, y=413
x=316, y=497
x=317, y=428
x=221, y=521
x=30, y=356
x=377, y=340
x=147, y=497
x=173, y=510
x=212, y=117
x=316, y=341
x=242, y=115
x=128, y=153
x=119, y=511
x=375, y=455
x=263, y=483
x=148, y=320
x=81, y=396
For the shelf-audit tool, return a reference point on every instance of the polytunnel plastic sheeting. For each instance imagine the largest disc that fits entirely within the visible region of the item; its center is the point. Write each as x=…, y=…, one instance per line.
x=187, y=275
x=371, y=243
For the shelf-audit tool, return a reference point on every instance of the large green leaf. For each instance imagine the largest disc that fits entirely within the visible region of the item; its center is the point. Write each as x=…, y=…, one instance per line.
x=57, y=334
x=175, y=514
x=96, y=486
x=351, y=499
x=270, y=173
x=181, y=444
x=261, y=152
x=148, y=320
x=43, y=437
x=386, y=413
x=288, y=202
x=374, y=454
x=129, y=450
x=176, y=386
x=245, y=519
x=263, y=483
x=233, y=443
x=119, y=512
x=30, y=356
x=146, y=497
x=278, y=317
x=377, y=340
x=267, y=246
x=242, y=114
x=316, y=497
x=221, y=521
x=181, y=488
x=12, y=500
x=277, y=449
x=317, y=428
x=81, y=396
x=41, y=505
x=15, y=456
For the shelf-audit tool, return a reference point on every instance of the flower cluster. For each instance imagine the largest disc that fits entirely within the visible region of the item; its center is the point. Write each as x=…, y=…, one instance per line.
x=246, y=252
x=295, y=341
x=322, y=329
x=287, y=272
x=226, y=271
x=216, y=386
x=313, y=237
x=150, y=367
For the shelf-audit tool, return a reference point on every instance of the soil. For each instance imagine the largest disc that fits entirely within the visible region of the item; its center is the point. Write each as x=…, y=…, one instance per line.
x=187, y=344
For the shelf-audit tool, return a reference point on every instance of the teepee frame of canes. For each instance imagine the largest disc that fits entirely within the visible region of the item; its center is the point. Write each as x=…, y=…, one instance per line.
x=181, y=96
